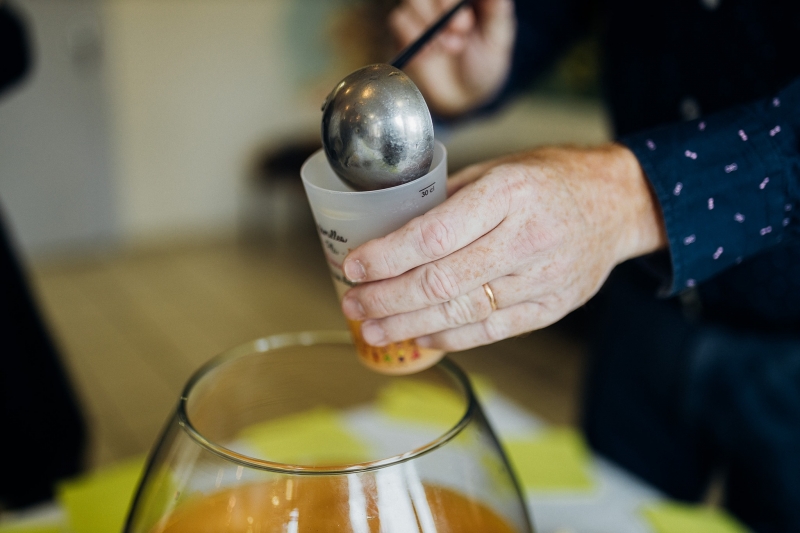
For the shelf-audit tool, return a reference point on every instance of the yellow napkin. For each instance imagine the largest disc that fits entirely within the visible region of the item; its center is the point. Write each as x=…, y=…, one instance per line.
x=32, y=528
x=673, y=517
x=417, y=401
x=556, y=459
x=98, y=502
x=482, y=385
x=315, y=437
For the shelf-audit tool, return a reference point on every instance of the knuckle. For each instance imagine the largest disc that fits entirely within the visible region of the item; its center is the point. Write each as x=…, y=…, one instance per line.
x=494, y=330
x=374, y=304
x=390, y=263
x=437, y=238
x=535, y=237
x=459, y=311
x=439, y=283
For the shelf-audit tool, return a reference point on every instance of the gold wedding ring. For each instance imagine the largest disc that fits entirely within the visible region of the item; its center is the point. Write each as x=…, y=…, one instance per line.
x=488, y=290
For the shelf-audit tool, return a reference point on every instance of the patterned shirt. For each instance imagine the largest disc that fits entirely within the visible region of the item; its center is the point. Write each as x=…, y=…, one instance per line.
x=729, y=189
x=706, y=93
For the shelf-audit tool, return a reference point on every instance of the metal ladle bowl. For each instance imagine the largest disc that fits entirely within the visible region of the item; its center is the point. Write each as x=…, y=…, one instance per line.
x=376, y=129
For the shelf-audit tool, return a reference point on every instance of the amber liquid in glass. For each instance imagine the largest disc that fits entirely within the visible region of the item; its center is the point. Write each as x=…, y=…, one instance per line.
x=327, y=504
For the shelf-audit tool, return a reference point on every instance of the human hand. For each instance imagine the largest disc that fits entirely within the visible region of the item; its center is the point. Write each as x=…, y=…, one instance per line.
x=467, y=63
x=543, y=228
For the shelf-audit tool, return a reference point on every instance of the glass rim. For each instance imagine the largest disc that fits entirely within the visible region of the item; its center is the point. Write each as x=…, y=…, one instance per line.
x=308, y=338
x=436, y=143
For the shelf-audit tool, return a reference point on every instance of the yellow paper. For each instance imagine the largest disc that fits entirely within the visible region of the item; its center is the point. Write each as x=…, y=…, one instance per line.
x=556, y=459
x=99, y=501
x=32, y=528
x=316, y=437
x=418, y=401
x=673, y=517
x=482, y=385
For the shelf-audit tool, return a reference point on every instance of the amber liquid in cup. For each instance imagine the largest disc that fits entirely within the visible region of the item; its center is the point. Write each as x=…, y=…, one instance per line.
x=396, y=358
x=321, y=505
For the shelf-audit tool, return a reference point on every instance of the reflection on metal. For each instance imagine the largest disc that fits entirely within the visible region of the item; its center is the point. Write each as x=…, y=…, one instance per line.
x=376, y=129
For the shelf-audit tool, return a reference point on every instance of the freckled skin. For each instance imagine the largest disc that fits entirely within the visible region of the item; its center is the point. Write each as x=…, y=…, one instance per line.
x=544, y=228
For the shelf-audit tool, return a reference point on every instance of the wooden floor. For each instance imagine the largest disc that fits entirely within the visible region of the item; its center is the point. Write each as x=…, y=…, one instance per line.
x=133, y=326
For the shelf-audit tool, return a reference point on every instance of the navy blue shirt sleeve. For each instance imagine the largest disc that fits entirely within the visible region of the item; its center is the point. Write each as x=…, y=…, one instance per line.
x=728, y=184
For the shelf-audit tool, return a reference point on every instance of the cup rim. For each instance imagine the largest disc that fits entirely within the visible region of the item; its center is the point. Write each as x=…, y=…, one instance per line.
x=307, y=183
x=308, y=338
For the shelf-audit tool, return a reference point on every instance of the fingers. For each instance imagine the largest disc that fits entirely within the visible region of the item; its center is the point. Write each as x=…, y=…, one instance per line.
x=466, y=176
x=449, y=227
x=468, y=308
x=495, y=16
x=406, y=25
x=501, y=324
x=488, y=258
x=410, y=20
x=471, y=307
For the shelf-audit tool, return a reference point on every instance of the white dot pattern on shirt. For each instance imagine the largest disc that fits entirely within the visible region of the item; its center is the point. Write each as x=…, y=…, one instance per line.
x=738, y=217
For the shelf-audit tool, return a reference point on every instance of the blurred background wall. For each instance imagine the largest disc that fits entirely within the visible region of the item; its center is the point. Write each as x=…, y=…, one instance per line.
x=56, y=182
x=140, y=117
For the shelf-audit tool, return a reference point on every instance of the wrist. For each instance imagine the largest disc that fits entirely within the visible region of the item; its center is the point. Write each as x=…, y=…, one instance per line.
x=641, y=228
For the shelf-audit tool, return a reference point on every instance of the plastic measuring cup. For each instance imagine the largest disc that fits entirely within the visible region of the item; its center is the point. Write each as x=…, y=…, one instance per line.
x=347, y=218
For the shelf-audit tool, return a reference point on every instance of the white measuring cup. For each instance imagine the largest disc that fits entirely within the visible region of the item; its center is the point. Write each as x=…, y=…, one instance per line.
x=347, y=218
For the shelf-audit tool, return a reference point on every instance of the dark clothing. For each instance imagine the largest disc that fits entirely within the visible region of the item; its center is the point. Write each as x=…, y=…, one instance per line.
x=729, y=190
x=15, y=56
x=679, y=403
x=706, y=93
x=734, y=73
x=43, y=435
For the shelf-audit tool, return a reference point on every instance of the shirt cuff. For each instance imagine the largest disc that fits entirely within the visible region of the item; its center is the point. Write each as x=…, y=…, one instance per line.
x=728, y=184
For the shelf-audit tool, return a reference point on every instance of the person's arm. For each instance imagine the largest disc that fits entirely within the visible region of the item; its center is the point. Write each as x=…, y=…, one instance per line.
x=545, y=228
x=728, y=184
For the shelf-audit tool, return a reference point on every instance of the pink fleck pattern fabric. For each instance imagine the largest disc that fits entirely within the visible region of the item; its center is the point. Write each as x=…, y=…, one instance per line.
x=728, y=185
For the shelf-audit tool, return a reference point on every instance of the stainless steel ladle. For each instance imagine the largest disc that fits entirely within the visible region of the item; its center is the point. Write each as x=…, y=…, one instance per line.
x=376, y=127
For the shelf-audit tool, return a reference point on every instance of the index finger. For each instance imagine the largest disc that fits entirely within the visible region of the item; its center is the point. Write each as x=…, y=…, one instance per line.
x=468, y=215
